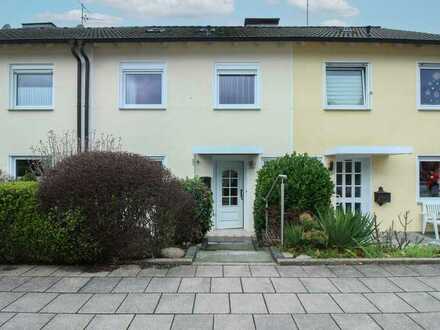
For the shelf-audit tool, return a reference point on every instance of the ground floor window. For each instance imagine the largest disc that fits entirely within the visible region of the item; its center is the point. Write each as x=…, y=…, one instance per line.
x=25, y=165
x=429, y=177
x=159, y=159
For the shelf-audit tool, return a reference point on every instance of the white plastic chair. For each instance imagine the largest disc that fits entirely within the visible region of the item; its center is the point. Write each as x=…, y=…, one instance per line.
x=431, y=214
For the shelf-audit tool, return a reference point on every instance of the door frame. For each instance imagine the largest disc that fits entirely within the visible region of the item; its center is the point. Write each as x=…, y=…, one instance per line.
x=217, y=160
x=368, y=174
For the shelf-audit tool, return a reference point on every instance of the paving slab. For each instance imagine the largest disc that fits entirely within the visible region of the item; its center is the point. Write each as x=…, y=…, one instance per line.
x=425, y=270
x=318, y=303
x=395, y=322
x=315, y=322
x=37, y=284
x=380, y=284
x=181, y=303
x=236, y=271
x=163, y=285
x=318, y=285
x=431, y=281
x=349, y=285
x=257, y=285
x=151, y=322
x=182, y=271
x=193, y=285
x=69, y=284
x=233, y=257
x=354, y=303
x=100, y=285
x=271, y=322
x=194, y=322
x=153, y=272
x=389, y=303
x=209, y=271
x=233, y=322
x=69, y=322
x=318, y=271
x=291, y=271
x=27, y=321
x=41, y=271
x=344, y=271
x=247, y=303
x=372, y=270
x=100, y=322
x=212, y=303
x=131, y=284
x=355, y=321
x=264, y=271
x=399, y=270
x=288, y=285
x=125, y=271
x=226, y=285
x=30, y=302
x=14, y=270
x=283, y=303
x=421, y=301
x=429, y=321
x=5, y=317
x=9, y=283
x=410, y=284
x=68, y=271
x=103, y=303
x=7, y=298
x=67, y=303
x=144, y=303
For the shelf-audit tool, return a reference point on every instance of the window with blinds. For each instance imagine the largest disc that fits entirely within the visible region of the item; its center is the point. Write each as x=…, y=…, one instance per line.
x=237, y=86
x=346, y=86
x=32, y=87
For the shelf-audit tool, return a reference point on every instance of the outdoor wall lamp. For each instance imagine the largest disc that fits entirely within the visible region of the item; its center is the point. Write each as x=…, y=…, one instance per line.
x=381, y=197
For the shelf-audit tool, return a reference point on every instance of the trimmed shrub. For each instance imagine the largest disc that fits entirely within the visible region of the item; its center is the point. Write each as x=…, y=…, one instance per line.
x=132, y=206
x=204, y=204
x=308, y=188
x=346, y=229
x=27, y=235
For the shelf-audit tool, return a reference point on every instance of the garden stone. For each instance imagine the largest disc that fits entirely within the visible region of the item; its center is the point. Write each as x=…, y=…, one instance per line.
x=172, y=253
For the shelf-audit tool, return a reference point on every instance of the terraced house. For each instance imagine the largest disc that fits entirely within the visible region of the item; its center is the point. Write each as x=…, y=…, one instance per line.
x=217, y=102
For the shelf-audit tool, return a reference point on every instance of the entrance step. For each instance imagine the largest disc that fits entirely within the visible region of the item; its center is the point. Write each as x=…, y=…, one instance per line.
x=226, y=246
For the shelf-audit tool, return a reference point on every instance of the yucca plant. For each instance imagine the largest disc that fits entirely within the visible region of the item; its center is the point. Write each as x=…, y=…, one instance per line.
x=346, y=229
x=293, y=235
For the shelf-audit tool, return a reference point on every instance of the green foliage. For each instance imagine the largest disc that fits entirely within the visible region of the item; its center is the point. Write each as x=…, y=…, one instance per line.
x=346, y=229
x=204, y=203
x=293, y=235
x=308, y=188
x=28, y=235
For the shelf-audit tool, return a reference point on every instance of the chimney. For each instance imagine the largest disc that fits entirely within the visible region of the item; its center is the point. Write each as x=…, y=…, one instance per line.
x=38, y=25
x=261, y=22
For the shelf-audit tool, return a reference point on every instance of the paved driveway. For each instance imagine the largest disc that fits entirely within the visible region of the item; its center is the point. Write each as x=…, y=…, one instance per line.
x=221, y=297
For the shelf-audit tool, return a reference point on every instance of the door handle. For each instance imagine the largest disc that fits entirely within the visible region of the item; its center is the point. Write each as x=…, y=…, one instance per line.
x=241, y=194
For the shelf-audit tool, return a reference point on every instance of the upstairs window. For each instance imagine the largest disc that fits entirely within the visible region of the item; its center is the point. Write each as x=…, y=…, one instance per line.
x=143, y=86
x=31, y=87
x=429, y=86
x=346, y=86
x=237, y=86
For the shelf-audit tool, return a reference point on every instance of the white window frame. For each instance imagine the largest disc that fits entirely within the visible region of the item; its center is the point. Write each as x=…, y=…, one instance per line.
x=367, y=84
x=29, y=68
x=236, y=69
x=13, y=164
x=142, y=67
x=420, y=66
x=426, y=158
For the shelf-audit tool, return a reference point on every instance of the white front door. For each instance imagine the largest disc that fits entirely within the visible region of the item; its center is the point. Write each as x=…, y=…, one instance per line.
x=229, y=195
x=353, y=184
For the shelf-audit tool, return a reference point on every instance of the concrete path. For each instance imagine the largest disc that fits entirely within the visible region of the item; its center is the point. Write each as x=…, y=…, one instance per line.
x=221, y=297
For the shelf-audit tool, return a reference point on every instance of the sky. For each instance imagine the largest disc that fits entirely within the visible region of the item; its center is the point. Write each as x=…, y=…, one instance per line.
x=416, y=15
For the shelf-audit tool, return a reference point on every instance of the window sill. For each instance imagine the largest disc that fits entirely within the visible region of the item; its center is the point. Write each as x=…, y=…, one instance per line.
x=154, y=108
x=346, y=109
x=30, y=109
x=429, y=109
x=256, y=108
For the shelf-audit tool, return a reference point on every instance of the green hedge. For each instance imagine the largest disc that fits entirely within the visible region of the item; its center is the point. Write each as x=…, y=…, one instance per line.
x=308, y=188
x=28, y=235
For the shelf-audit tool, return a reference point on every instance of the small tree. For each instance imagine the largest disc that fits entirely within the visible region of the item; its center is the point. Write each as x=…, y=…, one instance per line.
x=55, y=147
x=308, y=188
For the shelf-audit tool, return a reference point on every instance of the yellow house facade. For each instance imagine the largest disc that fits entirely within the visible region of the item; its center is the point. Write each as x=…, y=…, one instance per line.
x=217, y=102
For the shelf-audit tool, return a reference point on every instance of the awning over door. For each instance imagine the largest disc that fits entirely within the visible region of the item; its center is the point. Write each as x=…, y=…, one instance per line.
x=227, y=150
x=369, y=150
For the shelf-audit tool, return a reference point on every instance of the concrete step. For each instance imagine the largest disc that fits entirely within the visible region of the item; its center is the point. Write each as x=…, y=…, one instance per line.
x=229, y=239
x=234, y=246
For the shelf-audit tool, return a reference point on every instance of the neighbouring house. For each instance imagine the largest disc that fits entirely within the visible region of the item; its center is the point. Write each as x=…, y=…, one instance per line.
x=217, y=102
